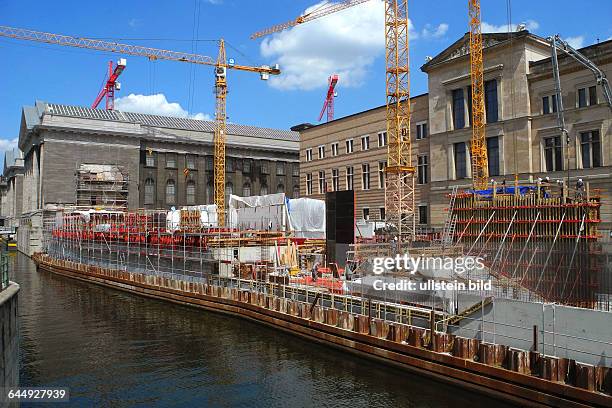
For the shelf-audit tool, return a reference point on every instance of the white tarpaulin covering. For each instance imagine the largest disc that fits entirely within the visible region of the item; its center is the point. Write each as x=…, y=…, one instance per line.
x=305, y=217
x=208, y=216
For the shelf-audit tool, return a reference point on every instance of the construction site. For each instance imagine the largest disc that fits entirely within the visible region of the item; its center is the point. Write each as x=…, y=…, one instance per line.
x=538, y=326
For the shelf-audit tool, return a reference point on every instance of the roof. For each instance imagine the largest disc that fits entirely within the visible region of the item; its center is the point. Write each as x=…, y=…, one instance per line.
x=593, y=52
x=461, y=46
x=33, y=114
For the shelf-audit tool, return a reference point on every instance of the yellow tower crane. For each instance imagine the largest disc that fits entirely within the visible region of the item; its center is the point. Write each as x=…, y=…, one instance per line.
x=221, y=66
x=480, y=165
x=399, y=186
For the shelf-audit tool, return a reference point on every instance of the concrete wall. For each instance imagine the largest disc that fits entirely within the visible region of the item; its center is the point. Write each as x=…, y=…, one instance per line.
x=65, y=152
x=581, y=334
x=9, y=354
x=30, y=233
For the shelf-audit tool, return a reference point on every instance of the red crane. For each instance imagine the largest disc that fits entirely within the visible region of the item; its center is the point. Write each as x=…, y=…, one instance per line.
x=329, y=99
x=108, y=90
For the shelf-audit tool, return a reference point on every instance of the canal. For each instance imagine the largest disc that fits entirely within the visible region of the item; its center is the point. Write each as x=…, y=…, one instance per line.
x=112, y=348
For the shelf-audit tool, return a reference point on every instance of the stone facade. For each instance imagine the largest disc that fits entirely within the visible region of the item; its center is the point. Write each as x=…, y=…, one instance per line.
x=168, y=160
x=9, y=360
x=517, y=74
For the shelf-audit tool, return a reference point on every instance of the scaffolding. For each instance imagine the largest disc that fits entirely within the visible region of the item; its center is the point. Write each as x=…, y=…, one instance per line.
x=539, y=242
x=102, y=186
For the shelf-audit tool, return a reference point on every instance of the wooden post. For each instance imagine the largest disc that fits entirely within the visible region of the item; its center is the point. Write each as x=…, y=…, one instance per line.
x=535, y=337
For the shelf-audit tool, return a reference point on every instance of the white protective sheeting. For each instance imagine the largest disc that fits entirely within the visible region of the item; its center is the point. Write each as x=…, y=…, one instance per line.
x=307, y=217
x=208, y=216
x=304, y=217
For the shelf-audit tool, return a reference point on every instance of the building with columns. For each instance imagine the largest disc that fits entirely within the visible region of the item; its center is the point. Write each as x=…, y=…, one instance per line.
x=522, y=136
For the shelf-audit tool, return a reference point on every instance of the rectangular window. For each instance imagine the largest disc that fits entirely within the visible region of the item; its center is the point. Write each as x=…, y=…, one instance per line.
x=458, y=109
x=553, y=159
x=460, y=161
x=190, y=191
x=309, y=184
x=349, y=146
x=421, y=131
x=246, y=166
x=365, y=176
x=210, y=163
x=321, y=152
x=264, y=167
x=582, y=97
x=322, y=186
x=491, y=100
x=592, y=95
x=334, y=149
x=230, y=165
x=422, y=169
x=170, y=161
x=349, y=178
x=590, y=146
x=280, y=169
x=296, y=169
x=382, y=139
x=308, y=155
x=335, y=179
x=382, y=213
x=191, y=162
x=381, y=174
x=365, y=142
x=366, y=213
x=423, y=214
x=493, y=155
x=469, y=104
x=545, y=105
x=150, y=160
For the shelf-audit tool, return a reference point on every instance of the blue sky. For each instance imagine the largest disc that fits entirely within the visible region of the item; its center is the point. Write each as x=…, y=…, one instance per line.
x=350, y=43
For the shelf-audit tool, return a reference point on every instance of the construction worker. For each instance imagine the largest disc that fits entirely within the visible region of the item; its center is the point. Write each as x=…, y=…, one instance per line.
x=579, y=190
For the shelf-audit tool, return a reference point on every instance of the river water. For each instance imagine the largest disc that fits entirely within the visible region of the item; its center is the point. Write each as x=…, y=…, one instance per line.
x=112, y=348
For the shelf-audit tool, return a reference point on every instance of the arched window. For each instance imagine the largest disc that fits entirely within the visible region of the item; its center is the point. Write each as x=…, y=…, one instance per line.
x=246, y=190
x=170, y=192
x=280, y=188
x=296, y=191
x=263, y=190
x=149, y=191
x=191, y=192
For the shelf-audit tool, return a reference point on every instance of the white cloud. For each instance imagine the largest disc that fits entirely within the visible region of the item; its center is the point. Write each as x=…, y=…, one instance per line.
x=576, y=42
x=434, y=32
x=156, y=105
x=345, y=43
x=135, y=22
x=8, y=144
x=531, y=25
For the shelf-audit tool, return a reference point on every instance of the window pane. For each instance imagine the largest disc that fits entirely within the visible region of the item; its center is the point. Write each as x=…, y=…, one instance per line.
x=554, y=102
x=491, y=100
x=460, y=164
x=191, y=193
x=149, y=196
x=458, y=109
x=592, y=95
x=545, y=105
x=582, y=97
x=493, y=155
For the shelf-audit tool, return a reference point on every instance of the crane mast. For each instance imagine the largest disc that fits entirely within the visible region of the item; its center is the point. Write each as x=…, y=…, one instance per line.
x=480, y=166
x=108, y=90
x=329, y=99
x=399, y=184
x=221, y=66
